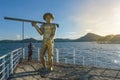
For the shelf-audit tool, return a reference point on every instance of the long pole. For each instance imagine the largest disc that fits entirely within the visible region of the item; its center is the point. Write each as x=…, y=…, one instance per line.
x=22, y=38
x=22, y=30
x=25, y=20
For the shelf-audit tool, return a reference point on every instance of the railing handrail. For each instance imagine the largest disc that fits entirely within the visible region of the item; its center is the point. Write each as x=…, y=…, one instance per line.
x=1, y=57
x=7, y=68
x=72, y=56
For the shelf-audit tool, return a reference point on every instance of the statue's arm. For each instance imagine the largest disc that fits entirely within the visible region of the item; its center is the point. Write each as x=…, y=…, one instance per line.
x=37, y=28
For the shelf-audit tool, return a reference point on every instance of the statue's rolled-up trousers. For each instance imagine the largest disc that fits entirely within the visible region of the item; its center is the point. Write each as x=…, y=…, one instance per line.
x=47, y=46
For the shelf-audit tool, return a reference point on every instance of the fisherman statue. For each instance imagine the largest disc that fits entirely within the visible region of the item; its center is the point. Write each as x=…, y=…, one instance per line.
x=48, y=31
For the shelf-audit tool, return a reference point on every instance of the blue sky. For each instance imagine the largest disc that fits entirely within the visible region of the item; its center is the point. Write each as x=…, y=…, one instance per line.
x=75, y=17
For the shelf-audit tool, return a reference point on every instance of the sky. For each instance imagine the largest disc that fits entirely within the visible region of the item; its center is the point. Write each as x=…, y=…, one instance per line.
x=75, y=17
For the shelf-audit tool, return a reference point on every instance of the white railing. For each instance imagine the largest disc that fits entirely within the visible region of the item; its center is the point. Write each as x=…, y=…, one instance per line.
x=57, y=54
x=94, y=57
x=8, y=63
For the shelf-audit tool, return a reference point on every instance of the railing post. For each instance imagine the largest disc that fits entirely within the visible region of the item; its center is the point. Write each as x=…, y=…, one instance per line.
x=74, y=55
x=11, y=62
x=3, y=67
x=8, y=71
x=23, y=53
x=57, y=55
x=83, y=60
x=95, y=60
x=65, y=60
x=38, y=54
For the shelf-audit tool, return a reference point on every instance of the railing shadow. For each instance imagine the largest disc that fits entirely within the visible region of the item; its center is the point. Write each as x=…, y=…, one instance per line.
x=23, y=74
x=26, y=73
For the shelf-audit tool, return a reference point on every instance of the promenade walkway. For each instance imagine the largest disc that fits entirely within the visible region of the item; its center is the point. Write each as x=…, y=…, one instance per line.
x=34, y=71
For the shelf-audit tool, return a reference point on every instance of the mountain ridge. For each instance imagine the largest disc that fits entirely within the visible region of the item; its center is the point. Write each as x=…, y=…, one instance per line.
x=89, y=37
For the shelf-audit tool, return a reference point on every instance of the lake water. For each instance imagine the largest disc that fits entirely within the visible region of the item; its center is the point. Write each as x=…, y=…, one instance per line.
x=86, y=53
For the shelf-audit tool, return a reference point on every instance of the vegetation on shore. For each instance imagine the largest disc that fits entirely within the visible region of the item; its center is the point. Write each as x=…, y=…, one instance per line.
x=89, y=37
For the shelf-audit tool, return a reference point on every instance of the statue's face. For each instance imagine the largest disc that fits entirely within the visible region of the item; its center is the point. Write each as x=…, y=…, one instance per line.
x=48, y=19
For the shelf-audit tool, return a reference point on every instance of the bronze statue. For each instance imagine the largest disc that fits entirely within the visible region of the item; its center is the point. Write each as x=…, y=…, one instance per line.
x=48, y=31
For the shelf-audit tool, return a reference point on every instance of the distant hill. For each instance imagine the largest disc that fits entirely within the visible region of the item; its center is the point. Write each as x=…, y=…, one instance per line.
x=62, y=40
x=30, y=39
x=9, y=41
x=109, y=39
x=88, y=37
x=116, y=38
x=19, y=41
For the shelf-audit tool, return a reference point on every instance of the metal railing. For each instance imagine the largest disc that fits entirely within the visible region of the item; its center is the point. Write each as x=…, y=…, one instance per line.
x=36, y=54
x=94, y=58
x=9, y=62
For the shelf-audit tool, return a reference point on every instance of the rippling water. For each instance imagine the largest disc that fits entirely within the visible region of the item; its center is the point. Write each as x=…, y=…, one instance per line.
x=86, y=53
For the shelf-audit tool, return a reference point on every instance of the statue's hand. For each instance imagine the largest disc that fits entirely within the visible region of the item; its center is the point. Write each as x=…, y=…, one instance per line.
x=33, y=23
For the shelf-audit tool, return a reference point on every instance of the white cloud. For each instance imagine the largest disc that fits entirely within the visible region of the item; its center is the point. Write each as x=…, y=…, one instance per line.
x=18, y=37
x=68, y=35
x=98, y=16
x=38, y=38
x=26, y=36
x=72, y=35
x=0, y=38
x=88, y=30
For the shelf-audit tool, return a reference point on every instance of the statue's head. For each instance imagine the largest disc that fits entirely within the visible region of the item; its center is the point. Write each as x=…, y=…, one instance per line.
x=48, y=17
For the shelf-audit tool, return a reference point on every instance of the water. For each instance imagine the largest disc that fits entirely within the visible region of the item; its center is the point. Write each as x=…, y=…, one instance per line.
x=87, y=53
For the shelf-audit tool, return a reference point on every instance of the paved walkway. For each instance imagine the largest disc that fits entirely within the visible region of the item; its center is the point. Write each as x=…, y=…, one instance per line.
x=34, y=71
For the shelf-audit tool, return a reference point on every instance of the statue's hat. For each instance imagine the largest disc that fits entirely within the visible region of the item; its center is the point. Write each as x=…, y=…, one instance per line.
x=52, y=16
